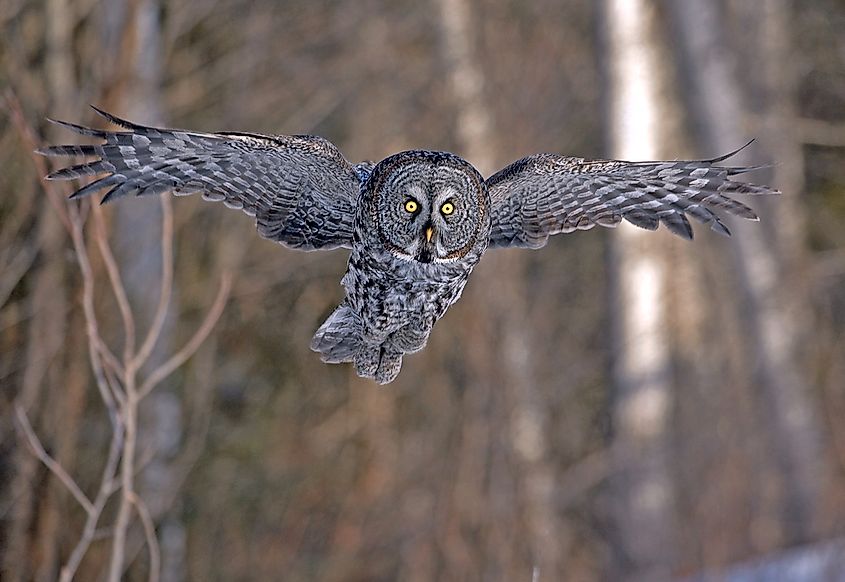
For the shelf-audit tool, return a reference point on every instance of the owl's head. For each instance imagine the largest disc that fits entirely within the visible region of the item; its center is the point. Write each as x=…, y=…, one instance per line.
x=428, y=206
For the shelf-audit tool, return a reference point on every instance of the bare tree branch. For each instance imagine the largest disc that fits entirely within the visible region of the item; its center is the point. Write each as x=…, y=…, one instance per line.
x=129, y=417
x=94, y=339
x=166, y=284
x=107, y=487
x=150, y=534
x=188, y=350
x=14, y=270
x=49, y=462
x=31, y=144
x=116, y=283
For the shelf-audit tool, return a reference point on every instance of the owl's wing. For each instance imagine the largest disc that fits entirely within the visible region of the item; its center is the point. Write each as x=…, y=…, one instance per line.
x=300, y=189
x=546, y=194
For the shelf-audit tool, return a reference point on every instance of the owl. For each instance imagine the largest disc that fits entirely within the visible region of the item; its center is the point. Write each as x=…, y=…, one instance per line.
x=417, y=222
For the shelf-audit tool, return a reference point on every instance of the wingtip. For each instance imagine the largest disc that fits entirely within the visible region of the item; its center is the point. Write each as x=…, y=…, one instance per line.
x=717, y=226
x=684, y=233
x=60, y=123
x=724, y=157
x=80, y=129
x=100, y=112
x=105, y=114
x=47, y=151
x=115, y=119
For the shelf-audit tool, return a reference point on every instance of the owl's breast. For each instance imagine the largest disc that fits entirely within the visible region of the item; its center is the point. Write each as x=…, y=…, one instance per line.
x=389, y=292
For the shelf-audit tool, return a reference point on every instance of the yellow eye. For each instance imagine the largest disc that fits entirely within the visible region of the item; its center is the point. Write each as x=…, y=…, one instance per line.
x=411, y=206
x=447, y=208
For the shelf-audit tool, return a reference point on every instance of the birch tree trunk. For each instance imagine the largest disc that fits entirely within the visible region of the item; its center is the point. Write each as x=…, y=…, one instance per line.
x=771, y=311
x=642, y=398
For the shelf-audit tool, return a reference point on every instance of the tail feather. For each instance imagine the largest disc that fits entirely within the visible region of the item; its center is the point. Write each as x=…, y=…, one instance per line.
x=339, y=338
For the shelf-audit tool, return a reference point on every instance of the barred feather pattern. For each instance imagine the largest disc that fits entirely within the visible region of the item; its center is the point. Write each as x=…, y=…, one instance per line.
x=417, y=222
x=547, y=194
x=300, y=189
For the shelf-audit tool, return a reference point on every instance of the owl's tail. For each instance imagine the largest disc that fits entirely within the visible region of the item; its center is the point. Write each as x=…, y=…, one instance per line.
x=339, y=339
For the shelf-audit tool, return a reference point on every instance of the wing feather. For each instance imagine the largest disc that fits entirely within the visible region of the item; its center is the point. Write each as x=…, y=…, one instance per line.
x=300, y=189
x=546, y=194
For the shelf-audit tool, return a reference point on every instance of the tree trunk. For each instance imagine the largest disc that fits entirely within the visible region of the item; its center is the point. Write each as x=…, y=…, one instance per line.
x=771, y=311
x=642, y=397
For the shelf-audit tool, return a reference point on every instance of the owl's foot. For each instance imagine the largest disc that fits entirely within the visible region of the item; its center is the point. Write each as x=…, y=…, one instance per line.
x=388, y=369
x=379, y=364
x=409, y=339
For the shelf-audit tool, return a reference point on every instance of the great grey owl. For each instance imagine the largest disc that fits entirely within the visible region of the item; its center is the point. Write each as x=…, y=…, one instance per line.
x=417, y=222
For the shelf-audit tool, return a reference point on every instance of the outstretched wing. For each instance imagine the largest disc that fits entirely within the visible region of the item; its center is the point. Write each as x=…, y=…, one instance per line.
x=300, y=189
x=547, y=194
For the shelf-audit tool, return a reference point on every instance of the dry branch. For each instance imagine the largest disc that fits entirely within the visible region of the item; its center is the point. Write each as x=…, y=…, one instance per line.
x=50, y=462
x=166, y=284
x=116, y=284
x=150, y=535
x=194, y=343
x=116, y=378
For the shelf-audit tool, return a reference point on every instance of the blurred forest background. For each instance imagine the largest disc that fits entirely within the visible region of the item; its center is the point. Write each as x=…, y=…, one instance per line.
x=522, y=439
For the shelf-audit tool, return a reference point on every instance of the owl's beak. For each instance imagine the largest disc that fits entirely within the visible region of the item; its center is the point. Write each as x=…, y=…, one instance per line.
x=426, y=249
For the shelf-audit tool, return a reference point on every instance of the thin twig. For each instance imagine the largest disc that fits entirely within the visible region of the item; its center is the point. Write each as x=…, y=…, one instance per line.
x=116, y=284
x=15, y=270
x=113, y=376
x=103, y=533
x=50, y=462
x=166, y=284
x=123, y=426
x=197, y=431
x=129, y=415
x=188, y=350
x=145, y=458
x=31, y=143
x=107, y=487
x=92, y=328
x=150, y=534
x=109, y=359
x=115, y=379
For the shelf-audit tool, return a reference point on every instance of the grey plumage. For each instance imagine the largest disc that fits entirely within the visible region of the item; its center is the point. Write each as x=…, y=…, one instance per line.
x=416, y=222
x=300, y=188
x=547, y=194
